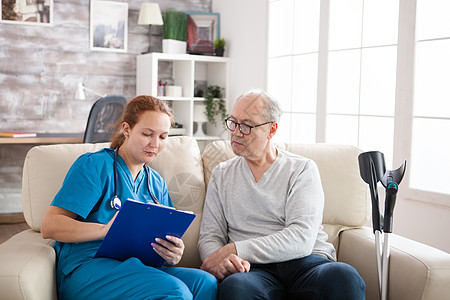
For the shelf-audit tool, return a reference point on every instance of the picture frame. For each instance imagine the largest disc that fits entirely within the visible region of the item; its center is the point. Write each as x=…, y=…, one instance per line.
x=200, y=88
x=27, y=12
x=203, y=29
x=108, y=26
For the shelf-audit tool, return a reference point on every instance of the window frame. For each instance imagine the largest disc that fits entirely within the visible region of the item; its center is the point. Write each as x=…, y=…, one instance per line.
x=404, y=94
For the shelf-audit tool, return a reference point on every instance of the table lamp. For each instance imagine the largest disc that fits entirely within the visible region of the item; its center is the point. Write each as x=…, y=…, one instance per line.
x=200, y=118
x=79, y=92
x=150, y=14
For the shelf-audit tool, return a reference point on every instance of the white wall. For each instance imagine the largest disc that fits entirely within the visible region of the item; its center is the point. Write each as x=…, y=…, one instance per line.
x=243, y=24
x=422, y=221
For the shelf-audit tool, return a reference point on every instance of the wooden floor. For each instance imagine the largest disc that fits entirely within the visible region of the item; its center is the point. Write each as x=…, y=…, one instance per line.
x=10, y=224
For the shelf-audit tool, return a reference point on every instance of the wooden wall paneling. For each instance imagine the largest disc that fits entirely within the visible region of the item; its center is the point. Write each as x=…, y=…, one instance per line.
x=41, y=65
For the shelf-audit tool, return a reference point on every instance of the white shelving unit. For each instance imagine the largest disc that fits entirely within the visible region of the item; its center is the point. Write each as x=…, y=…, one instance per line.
x=186, y=70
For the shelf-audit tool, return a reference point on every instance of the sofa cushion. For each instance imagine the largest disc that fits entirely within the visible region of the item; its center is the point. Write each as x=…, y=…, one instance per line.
x=213, y=154
x=416, y=271
x=44, y=170
x=27, y=267
x=346, y=194
x=181, y=166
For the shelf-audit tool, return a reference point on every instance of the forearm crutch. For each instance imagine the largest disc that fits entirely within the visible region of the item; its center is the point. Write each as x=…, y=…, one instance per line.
x=372, y=169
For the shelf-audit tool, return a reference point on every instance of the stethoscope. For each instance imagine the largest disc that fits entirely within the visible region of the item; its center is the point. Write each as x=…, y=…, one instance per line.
x=115, y=202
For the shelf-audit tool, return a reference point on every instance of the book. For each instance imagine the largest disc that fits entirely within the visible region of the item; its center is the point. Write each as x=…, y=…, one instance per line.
x=137, y=225
x=15, y=134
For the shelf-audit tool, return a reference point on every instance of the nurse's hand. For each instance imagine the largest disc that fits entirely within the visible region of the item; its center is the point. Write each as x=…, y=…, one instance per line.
x=62, y=225
x=171, y=250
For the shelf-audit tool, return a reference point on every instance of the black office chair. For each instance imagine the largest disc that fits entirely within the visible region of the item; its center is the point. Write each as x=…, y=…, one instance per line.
x=105, y=112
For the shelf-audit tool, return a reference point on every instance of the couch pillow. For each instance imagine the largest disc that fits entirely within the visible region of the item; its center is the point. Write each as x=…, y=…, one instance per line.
x=181, y=166
x=346, y=197
x=44, y=170
x=215, y=153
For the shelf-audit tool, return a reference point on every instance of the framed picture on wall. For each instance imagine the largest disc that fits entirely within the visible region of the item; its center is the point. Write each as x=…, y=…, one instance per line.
x=29, y=12
x=109, y=26
x=203, y=30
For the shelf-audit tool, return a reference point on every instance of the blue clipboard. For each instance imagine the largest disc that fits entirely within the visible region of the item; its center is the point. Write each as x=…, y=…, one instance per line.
x=137, y=225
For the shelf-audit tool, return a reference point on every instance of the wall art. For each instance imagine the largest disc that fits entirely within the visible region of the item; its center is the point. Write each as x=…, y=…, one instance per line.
x=28, y=12
x=109, y=26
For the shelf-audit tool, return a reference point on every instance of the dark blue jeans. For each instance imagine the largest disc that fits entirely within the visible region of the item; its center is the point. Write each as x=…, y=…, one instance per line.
x=310, y=277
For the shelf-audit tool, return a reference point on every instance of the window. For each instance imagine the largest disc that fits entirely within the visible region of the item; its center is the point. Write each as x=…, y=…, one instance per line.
x=292, y=66
x=347, y=72
x=430, y=162
x=362, y=59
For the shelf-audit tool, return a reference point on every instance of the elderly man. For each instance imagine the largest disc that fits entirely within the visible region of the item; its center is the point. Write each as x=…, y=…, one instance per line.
x=261, y=233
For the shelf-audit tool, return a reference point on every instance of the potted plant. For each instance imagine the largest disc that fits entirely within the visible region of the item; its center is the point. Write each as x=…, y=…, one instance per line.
x=219, y=46
x=174, y=32
x=214, y=104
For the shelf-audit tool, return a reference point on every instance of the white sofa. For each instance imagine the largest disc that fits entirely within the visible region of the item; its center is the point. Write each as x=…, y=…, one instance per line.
x=27, y=262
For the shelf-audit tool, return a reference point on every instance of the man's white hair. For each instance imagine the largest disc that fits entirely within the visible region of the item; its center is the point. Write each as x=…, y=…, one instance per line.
x=272, y=111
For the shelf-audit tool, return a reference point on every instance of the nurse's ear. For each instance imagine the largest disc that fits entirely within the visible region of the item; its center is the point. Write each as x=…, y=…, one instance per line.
x=126, y=129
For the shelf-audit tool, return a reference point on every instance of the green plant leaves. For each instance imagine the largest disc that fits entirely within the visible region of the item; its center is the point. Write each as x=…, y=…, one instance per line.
x=175, y=25
x=214, y=104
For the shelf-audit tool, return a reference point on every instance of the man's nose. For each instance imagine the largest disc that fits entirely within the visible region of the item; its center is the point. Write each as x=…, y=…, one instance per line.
x=237, y=130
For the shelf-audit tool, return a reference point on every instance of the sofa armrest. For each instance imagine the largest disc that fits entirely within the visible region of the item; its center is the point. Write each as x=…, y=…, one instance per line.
x=27, y=267
x=416, y=271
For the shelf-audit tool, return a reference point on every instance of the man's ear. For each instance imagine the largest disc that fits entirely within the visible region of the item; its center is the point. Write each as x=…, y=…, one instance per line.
x=272, y=130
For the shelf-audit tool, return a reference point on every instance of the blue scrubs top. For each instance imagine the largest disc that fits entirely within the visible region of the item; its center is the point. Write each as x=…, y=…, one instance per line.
x=88, y=190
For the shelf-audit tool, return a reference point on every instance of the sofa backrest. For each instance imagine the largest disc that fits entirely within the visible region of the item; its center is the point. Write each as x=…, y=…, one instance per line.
x=44, y=170
x=186, y=172
x=346, y=197
x=179, y=164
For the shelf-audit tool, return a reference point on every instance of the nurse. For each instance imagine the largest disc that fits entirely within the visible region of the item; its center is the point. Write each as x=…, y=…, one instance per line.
x=81, y=214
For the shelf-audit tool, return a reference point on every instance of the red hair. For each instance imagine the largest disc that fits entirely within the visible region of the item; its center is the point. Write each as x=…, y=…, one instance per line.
x=135, y=108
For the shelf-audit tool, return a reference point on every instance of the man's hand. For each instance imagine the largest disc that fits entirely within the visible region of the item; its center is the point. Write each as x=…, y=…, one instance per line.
x=225, y=262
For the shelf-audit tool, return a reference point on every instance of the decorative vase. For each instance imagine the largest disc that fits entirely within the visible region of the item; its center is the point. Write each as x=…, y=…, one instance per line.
x=218, y=129
x=219, y=51
x=173, y=46
x=200, y=118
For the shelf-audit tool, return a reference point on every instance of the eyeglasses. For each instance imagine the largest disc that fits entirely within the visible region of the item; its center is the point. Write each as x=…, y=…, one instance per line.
x=243, y=128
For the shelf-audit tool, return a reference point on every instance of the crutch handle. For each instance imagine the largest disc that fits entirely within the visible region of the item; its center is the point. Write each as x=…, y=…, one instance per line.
x=391, y=196
x=372, y=169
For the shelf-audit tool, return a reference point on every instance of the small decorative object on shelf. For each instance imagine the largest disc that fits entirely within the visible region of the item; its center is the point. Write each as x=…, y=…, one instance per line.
x=214, y=104
x=219, y=46
x=199, y=88
x=174, y=32
x=174, y=91
x=161, y=88
x=200, y=118
x=177, y=129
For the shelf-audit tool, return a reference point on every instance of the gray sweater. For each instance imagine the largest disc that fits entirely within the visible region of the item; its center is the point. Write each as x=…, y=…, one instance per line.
x=275, y=219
